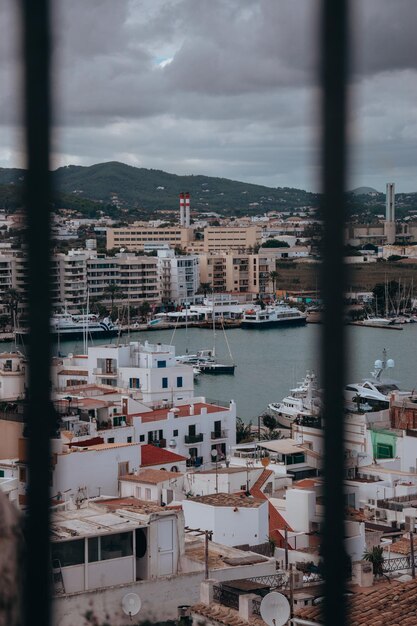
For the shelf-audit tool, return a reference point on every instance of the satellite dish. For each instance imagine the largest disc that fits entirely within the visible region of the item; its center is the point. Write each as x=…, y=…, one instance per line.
x=131, y=604
x=378, y=364
x=275, y=609
x=390, y=363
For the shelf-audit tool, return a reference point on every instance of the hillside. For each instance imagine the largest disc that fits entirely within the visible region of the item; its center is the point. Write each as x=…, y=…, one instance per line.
x=138, y=190
x=128, y=192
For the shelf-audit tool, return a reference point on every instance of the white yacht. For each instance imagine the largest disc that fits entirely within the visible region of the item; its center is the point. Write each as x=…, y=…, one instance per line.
x=375, y=390
x=303, y=402
x=69, y=326
x=279, y=314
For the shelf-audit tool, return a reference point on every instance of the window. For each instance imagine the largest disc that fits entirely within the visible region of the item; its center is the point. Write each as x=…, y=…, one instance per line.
x=179, y=381
x=147, y=494
x=141, y=438
x=109, y=547
x=68, y=552
x=384, y=451
x=175, y=433
x=165, y=383
x=22, y=474
x=134, y=383
x=129, y=440
x=110, y=440
x=174, y=469
x=162, y=363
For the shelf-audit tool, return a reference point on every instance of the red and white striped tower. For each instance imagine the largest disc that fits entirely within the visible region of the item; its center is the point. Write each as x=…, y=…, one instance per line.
x=182, y=209
x=187, y=209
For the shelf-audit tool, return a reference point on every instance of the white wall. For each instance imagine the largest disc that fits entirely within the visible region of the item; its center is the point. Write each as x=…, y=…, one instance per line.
x=300, y=508
x=93, y=469
x=231, y=526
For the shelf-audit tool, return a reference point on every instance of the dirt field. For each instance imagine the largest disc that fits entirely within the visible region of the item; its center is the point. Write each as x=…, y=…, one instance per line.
x=362, y=277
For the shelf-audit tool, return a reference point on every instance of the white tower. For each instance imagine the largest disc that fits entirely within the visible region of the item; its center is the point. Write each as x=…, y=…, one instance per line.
x=389, y=225
x=182, y=210
x=187, y=210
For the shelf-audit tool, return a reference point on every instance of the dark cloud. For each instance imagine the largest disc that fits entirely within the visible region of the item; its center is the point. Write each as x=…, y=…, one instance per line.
x=226, y=87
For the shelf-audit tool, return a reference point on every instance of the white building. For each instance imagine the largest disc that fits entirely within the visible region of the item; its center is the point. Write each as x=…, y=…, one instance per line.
x=179, y=275
x=153, y=485
x=234, y=519
x=13, y=376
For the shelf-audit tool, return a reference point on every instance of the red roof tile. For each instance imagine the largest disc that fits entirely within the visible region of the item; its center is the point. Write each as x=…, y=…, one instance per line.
x=152, y=455
x=276, y=521
x=180, y=411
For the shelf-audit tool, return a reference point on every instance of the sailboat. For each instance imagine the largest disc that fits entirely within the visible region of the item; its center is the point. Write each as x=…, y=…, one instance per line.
x=205, y=360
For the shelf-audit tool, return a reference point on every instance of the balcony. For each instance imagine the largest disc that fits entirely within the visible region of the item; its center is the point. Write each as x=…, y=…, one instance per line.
x=219, y=434
x=191, y=439
x=195, y=461
x=159, y=443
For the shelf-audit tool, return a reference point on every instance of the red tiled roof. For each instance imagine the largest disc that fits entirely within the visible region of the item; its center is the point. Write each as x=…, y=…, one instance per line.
x=94, y=441
x=276, y=521
x=180, y=411
x=388, y=604
x=152, y=455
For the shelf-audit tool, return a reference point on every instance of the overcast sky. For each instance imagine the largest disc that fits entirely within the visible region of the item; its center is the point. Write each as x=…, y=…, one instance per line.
x=219, y=87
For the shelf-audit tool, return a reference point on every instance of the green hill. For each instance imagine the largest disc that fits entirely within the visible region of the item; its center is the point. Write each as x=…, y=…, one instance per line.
x=138, y=190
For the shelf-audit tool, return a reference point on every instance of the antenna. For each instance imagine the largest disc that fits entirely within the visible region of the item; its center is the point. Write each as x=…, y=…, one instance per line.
x=275, y=609
x=131, y=604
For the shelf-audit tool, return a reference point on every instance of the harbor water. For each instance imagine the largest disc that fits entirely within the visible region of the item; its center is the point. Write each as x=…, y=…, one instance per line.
x=271, y=361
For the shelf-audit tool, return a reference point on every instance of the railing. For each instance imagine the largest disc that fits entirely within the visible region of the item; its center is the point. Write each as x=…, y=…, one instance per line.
x=219, y=434
x=398, y=564
x=273, y=581
x=190, y=439
x=256, y=607
x=227, y=597
x=195, y=461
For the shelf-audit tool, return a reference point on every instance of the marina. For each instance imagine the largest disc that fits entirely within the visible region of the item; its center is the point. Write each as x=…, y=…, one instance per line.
x=271, y=362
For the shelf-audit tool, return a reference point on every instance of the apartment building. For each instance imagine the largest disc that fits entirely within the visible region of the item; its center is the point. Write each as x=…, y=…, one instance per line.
x=135, y=237
x=238, y=272
x=219, y=238
x=179, y=275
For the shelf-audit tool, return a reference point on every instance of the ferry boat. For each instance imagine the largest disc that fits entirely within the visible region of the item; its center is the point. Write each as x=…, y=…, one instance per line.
x=303, y=403
x=71, y=326
x=270, y=316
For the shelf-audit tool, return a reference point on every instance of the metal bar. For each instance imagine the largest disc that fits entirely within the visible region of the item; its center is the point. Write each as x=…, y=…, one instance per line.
x=333, y=77
x=40, y=415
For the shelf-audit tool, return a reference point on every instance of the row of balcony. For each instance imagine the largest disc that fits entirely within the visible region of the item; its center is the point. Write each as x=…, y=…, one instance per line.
x=214, y=435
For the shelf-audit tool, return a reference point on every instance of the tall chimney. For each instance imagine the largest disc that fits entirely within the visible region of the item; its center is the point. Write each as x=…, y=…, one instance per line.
x=390, y=203
x=187, y=209
x=182, y=210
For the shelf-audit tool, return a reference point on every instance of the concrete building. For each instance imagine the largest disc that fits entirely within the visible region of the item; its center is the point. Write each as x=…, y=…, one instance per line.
x=179, y=276
x=135, y=237
x=222, y=238
x=234, y=519
x=238, y=272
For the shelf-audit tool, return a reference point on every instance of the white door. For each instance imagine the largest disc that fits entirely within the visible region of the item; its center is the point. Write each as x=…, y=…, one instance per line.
x=165, y=547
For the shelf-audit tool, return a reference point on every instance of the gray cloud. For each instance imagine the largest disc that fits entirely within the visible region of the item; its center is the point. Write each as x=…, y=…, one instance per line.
x=226, y=87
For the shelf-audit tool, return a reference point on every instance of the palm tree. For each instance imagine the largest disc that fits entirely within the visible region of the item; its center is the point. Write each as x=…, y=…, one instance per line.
x=113, y=291
x=274, y=277
x=11, y=299
x=205, y=288
x=243, y=431
x=375, y=556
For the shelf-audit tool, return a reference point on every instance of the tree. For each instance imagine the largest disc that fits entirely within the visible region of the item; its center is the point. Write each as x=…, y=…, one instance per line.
x=375, y=556
x=144, y=309
x=112, y=291
x=274, y=277
x=274, y=243
x=11, y=299
x=204, y=288
x=243, y=431
x=269, y=421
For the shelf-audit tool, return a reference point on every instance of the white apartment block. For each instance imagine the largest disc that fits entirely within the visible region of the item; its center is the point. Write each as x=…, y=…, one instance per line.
x=179, y=275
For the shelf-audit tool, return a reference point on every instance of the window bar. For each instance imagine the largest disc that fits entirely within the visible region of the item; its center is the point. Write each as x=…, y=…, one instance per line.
x=39, y=415
x=333, y=353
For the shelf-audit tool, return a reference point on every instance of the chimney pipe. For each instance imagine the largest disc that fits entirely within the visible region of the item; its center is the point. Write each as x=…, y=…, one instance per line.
x=182, y=210
x=187, y=210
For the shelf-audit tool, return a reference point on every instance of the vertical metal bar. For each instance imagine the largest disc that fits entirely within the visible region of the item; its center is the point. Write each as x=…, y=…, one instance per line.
x=334, y=73
x=36, y=51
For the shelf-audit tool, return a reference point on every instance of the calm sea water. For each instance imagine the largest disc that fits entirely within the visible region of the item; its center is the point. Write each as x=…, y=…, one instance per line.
x=270, y=362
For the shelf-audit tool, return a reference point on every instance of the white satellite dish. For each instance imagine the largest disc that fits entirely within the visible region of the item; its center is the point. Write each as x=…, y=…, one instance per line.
x=131, y=604
x=275, y=609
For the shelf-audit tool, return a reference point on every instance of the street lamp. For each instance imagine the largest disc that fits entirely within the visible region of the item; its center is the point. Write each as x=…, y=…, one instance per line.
x=214, y=457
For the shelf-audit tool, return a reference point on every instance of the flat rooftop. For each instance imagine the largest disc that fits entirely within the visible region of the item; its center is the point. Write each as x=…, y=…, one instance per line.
x=229, y=499
x=180, y=411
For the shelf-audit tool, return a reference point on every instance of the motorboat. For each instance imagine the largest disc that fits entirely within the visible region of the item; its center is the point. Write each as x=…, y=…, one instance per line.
x=279, y=314
x=302, y=404
x=374, y=391
x=206, y=363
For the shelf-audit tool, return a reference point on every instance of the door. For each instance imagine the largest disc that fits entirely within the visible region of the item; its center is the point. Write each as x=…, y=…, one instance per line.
x=165, y=547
